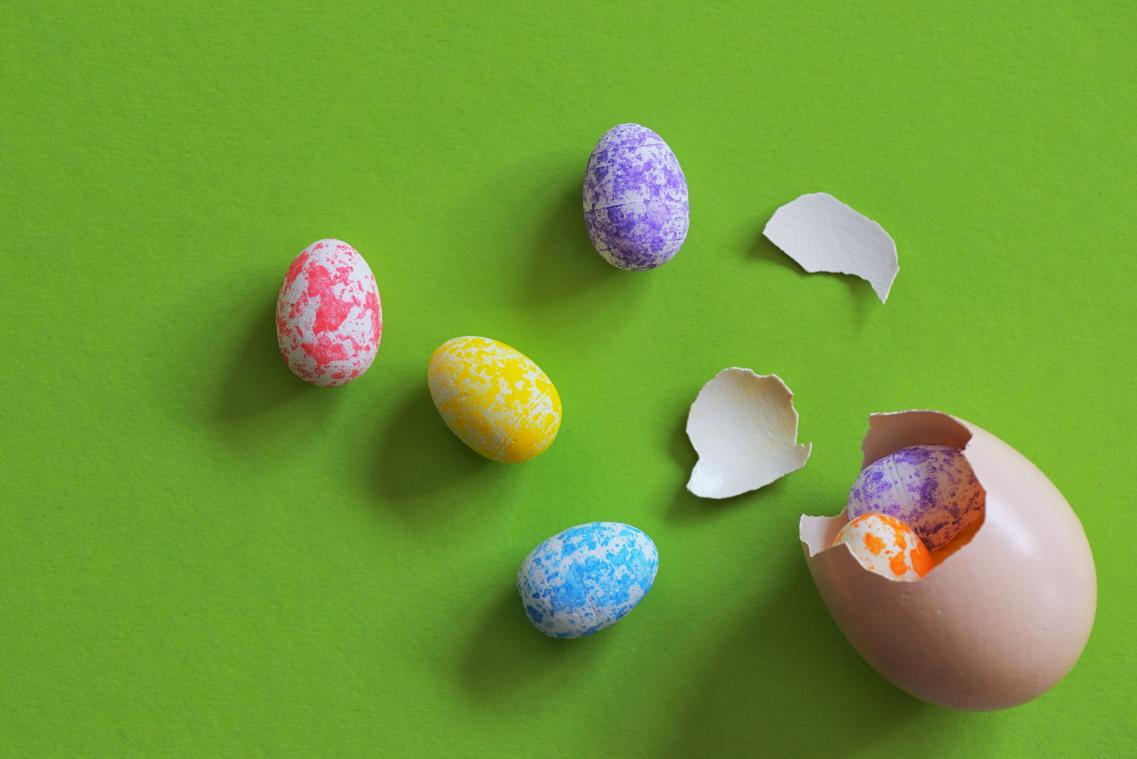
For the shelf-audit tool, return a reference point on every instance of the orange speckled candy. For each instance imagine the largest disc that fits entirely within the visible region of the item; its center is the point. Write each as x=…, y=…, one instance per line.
x=494, y=398
x=887, y=546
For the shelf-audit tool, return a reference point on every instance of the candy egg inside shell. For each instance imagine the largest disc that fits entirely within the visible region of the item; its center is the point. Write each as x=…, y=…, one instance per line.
x=931, y=488
x=885, y=545
x=997, y=622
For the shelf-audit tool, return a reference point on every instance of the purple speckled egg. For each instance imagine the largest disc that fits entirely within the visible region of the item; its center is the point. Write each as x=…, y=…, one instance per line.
x=931, y=488
x=635, y=199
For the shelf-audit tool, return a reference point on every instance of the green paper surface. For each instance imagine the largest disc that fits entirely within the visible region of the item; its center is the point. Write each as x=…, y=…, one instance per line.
x=200, y=555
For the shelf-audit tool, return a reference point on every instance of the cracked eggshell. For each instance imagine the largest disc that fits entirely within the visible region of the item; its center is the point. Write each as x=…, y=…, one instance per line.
x=328, y=315
x=635, y=199
x=744, y=427
x=494, y=398
x=1001, y=619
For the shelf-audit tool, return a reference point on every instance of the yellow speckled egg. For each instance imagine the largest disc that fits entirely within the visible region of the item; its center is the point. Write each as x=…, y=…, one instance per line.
x=494, y=398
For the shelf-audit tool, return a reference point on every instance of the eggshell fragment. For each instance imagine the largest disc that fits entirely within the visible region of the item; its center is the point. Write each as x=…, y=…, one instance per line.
x=635, y=199
x=1000, y=620
x=823, y=234
x=586, y=578
x=329, y=319
x=931, y=488
x=744, y=427
x=494, y=398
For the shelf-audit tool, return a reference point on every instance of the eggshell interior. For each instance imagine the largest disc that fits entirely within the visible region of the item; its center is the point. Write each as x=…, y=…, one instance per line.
x=996, y=623
x=743, y=425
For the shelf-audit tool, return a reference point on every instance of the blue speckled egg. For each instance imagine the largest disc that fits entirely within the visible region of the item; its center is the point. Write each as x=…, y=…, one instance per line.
x=586, y=578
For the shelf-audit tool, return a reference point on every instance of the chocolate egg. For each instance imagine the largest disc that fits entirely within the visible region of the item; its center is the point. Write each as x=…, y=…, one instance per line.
x=635, y=199
x=328, y=316
x=1007, y=609
x=494, y=398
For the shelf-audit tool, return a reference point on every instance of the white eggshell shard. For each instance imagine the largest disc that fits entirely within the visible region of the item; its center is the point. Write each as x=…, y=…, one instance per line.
x=999, y=621
x=586, y=578
x=823, y=234
x=744, y=427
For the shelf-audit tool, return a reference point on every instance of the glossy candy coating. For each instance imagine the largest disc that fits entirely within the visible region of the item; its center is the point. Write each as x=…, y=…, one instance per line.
x=329, y=319
x=494, y=398
x=586, y=578
x=635, y=199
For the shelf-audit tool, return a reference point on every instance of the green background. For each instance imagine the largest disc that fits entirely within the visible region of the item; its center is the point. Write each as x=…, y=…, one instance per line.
x=201, y=555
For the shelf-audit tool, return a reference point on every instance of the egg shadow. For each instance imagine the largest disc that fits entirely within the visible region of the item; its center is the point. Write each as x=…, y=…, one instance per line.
x=506, y=653
x=762, y=249
x=686, y=507
x=860, y=291
x=562, y=262
x=416, y=455
x=257, y=380
x=784, y=682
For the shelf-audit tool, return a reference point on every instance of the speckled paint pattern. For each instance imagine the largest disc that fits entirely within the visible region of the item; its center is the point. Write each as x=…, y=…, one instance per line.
x=931, y=488
x=887, y=546
x=635, y=199
x=586, y=578
x=329, y=319
x=495, y=398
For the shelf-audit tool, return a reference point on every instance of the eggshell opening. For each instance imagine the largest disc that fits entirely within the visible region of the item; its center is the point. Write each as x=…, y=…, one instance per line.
x=882, y=439
x=1001, y=621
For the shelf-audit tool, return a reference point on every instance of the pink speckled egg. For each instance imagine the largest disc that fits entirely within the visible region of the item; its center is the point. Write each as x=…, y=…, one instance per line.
x=328, y=316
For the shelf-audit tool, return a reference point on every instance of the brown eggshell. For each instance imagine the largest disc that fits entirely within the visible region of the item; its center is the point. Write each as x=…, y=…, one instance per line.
x=999, y=621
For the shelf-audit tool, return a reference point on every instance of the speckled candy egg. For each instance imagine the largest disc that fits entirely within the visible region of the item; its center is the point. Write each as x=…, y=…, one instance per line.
x=931, y=488
x=887, y=546
x=328, y=316
x=635, y=199
x=586, y=578
x=494, y=398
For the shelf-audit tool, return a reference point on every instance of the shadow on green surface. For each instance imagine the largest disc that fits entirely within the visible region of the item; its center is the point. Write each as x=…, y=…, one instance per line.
x=562, y=260
x=257, y=379
x=860, y=291
x=764, y=250
x=507, y=653
x=784, y=682
x=417, y=455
